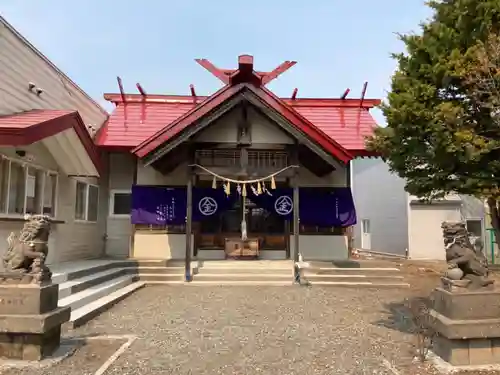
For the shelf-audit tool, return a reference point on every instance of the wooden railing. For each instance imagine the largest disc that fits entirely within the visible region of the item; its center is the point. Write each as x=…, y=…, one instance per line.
x=231, y=158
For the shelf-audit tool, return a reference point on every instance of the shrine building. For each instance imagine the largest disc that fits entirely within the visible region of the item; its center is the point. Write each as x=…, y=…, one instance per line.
x=241, y=173
x=194, y=177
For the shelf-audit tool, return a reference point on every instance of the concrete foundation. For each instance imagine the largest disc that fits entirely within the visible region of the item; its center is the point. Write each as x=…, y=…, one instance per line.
x=467, y=326
x=30, y=321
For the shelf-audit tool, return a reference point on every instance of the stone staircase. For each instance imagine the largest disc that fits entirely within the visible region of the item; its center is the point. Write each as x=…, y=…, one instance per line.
x=91, y=287
x=240, y=272
x=354, y=274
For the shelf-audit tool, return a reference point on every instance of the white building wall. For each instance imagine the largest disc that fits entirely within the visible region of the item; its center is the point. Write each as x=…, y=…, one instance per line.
x=379, y=197
x=72, y=239
x=119, y=229
x=395, y=224
x=20, y=64
x=424, y=226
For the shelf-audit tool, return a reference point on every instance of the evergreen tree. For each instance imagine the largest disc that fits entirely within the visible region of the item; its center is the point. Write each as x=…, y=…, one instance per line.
x=442, y=134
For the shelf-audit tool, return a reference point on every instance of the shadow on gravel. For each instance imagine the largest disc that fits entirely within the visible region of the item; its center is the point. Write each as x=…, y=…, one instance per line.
x=407, y=316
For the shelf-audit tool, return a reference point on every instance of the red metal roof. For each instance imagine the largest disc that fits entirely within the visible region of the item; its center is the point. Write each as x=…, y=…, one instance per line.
x=346, y=121
x=25, y=128
x=147, y=121
x=226, y=93
x=24, y=120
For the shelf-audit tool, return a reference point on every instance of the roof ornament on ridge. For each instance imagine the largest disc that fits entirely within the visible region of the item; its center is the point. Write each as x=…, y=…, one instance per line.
x=245, y=72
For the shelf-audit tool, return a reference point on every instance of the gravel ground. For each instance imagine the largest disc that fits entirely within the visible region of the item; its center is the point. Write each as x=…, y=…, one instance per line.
x=86, y=360
x=256, y=330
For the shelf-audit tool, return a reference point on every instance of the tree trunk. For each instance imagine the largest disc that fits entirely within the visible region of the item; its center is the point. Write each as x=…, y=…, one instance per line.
x=493, y=205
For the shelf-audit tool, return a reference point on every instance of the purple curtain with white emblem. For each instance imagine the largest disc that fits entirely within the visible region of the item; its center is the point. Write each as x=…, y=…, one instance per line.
x=158, y=205
x=161, y=205
x=328, y=207
x=209, y=203
x=168, y=205
x=278, y=201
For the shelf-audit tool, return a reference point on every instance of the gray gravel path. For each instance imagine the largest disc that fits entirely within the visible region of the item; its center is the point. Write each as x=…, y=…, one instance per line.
x=254, y=330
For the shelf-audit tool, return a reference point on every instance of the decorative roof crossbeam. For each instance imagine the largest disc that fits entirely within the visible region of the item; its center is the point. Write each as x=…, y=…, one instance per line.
x=245, y=72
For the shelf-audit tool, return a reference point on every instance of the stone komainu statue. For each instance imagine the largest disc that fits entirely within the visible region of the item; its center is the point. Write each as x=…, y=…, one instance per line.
x=27, y=252
x=465, y=261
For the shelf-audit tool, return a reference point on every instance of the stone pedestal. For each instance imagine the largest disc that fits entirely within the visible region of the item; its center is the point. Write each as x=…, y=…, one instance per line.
x=467, y=326
x=30, y=321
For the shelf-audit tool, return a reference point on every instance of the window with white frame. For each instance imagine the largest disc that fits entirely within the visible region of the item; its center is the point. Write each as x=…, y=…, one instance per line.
x=26, y=189
x=86, y=202
x=475, y=227
x=120, y=203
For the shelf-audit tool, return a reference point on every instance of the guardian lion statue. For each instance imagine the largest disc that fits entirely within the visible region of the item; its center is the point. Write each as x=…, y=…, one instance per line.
x=466, y=262
x=25, y=257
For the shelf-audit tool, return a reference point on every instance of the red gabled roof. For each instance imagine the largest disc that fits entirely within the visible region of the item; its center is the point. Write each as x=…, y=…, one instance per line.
x=195, y=113
x=143, y=120
x=132, y=123
x=25, y=128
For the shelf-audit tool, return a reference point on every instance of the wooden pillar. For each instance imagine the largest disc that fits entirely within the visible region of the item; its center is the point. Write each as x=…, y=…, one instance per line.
x=189, y=214
x=296, y=218
x=287, y=232
x=189, y=226
x=349, y=231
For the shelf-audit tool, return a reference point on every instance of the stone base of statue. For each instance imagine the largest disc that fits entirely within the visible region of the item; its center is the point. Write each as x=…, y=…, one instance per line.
x=30, y=321
x=467, y=324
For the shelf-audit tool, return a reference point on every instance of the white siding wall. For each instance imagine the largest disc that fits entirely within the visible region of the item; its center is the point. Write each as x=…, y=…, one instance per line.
x=395, y=225
x=73, y=239
x=380, y=197
x=424, y=227
x=119, y=229
x=20, y=64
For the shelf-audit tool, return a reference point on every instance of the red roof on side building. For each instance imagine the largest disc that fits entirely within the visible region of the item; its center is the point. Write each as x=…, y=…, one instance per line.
x=25, y=128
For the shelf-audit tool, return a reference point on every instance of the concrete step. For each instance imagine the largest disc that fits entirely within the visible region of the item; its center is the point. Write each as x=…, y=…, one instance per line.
x=284, y=282
x=85, y=313
x=350, y=264
x=351, y=271
x=154, y=263
x=62, y=277
x=244, y=264
x=360, y=285
x=354, y=278
x=236, y=277
x=147, y=277
x=93, y=293
x=160, y=270
x=77, y=285
x=243, y=271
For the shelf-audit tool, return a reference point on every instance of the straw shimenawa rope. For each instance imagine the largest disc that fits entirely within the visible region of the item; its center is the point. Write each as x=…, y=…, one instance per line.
x=271, y=176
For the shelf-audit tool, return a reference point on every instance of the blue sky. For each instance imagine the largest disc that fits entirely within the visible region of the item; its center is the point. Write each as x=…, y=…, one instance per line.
x=337, y=43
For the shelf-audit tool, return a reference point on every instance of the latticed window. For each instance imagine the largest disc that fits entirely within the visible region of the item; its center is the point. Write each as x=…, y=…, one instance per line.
x=231, y=158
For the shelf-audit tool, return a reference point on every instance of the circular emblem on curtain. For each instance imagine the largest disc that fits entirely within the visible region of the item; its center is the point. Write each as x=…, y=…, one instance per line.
x=283, y=205
x=207, y=206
